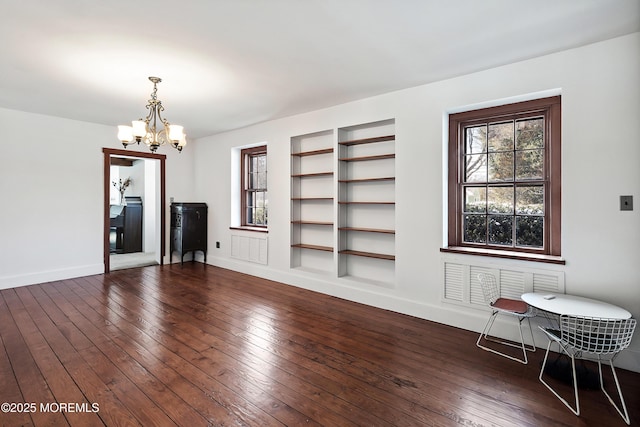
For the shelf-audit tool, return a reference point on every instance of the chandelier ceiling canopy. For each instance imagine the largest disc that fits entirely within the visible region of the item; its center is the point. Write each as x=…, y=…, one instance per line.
x=154, y=130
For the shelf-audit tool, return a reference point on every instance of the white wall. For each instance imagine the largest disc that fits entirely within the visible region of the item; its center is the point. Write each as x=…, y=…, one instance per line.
x=601, y=153
x=46, y=237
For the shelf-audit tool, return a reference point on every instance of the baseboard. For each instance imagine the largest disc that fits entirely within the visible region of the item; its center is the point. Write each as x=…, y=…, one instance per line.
x=7, y=282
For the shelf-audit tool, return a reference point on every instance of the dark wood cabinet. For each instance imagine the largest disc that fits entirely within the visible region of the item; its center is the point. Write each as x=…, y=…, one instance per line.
x=126, y=224
x=133, y=225
x=188, y=229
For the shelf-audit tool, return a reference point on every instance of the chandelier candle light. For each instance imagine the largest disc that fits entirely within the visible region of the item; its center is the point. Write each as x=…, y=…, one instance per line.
x=147, y=130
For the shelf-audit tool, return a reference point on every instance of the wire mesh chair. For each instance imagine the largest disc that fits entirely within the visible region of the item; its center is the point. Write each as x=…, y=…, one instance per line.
x=580, y=337
x=506, y=306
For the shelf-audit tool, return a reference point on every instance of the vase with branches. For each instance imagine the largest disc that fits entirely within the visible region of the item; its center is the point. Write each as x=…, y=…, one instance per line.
x=121, y=186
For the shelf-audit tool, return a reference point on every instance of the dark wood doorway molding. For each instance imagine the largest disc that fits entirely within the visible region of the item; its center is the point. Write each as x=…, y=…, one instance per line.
x=108, y=152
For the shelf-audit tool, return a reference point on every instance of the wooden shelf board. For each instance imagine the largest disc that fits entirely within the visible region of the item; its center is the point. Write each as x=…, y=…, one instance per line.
x=303, y=175
x=313, y=247
x=366, y=158
x=302, y=199
x=347, y=181
x=366, y=203
x=368, y=254
x=313, y=152
x=312, y=222
x=369, y=140
x=368, y=230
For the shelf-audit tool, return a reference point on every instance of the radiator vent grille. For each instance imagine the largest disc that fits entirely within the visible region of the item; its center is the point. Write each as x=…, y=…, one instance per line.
x=461, y=283
x=454, y=277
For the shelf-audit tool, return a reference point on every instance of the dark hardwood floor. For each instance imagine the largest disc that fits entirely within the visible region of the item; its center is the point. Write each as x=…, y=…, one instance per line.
x=198, y=345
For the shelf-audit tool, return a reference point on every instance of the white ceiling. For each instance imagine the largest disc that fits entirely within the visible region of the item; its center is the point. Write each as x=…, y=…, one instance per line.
x=230, y=63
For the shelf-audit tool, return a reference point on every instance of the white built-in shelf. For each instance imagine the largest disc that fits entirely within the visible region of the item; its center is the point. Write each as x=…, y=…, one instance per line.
x=312, y=222
x=366, y=208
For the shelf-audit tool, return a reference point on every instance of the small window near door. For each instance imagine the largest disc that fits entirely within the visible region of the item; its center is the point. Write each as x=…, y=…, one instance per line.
x=254, y=187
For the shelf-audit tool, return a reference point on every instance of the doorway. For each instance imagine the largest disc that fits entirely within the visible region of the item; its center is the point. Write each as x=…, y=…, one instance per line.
x=140, y=238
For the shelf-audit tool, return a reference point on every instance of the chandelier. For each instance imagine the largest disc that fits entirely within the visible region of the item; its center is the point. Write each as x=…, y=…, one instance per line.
x=154, y=130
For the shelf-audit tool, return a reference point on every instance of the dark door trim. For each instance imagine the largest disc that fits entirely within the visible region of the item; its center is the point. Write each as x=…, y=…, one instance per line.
x=108, y=152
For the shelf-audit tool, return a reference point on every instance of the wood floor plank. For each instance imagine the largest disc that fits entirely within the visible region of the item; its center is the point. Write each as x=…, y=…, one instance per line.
x=32, y=381
x=389, y=384
x=235, y=407
x=230, y=342
x=358, y=392
x=233, y=380
x=51, y=349
x=10, y=392
x=73, y=353
x=149, y=400
x=195, y=345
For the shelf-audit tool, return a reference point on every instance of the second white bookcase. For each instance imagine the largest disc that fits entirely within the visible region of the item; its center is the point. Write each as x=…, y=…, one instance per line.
x=366, y=202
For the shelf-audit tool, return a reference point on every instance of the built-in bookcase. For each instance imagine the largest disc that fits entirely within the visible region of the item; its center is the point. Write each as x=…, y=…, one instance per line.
x=312, y=202
x=343, y=202
x=366, y=201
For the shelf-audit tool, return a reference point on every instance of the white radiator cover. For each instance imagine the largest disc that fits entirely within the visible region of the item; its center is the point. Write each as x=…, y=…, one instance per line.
x=461, y=285
x=249, y=248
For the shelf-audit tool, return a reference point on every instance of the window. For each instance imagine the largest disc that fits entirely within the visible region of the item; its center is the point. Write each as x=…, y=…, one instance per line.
x=504, y=178
x=254, y=186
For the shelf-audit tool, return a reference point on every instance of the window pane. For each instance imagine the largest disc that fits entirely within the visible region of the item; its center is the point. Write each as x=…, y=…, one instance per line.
x=475, y=199
x=261, y=180
x=529, y=164
x=262, y=163
x=530, y=134
x=475, y=228
x=500, y=166
x=500, y=199
x=530, y=231
x=530, y=200
x=476, y=139
x=500, y=230
x=476, y=168
x=501, y=137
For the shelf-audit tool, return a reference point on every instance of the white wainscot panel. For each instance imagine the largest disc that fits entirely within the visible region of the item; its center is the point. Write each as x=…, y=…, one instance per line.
x=249, y=248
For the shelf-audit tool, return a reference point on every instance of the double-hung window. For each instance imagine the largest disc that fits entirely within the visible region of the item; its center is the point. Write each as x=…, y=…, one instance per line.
x=254, y=187
x=504, y=178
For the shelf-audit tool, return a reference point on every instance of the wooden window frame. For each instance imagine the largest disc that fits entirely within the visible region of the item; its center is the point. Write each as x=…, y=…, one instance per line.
x=245, y=155
x=550, y=108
